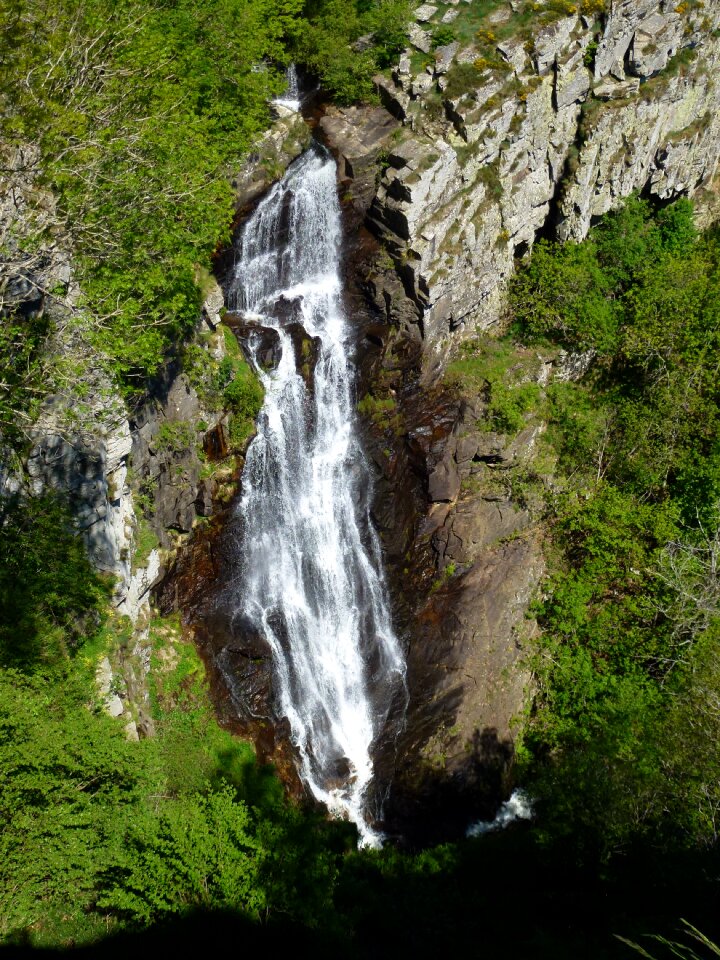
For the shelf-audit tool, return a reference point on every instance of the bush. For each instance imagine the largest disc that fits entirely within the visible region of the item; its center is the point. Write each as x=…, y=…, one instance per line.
x=136, y=148
x=623, y=650
x=442, y=36
x=243, y=395
x=324, y=42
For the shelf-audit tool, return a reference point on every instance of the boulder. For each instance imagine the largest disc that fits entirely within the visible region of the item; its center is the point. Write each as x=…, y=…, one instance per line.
x=444, y=481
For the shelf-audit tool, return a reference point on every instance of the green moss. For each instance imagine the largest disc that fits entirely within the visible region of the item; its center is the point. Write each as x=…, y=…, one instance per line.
x=376, y=407
x=232, y=347
x=243, y=396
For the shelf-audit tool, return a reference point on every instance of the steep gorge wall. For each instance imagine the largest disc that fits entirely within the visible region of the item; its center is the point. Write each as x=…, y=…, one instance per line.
x=551, y=131
x=131, y=471
x=582, y=114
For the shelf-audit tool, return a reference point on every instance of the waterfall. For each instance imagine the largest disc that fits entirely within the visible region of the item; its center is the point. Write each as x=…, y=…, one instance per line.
x=291, y=94
x=311, y=577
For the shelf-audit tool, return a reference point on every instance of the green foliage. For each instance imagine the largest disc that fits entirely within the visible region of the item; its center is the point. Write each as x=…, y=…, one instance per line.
x=590, y=54
x=142, y=831
x=324, y=42
x=195, y=750
x=371, y=406
x=563, y=293
x=601, y=612
x=136, y=145
x=383, y=410
x=230, y=385
x=495, y=371
x=198, y=851
x=200, y=367
x=21, y=372
x=580, y=294
x=67, y=774
x=629, y=621
x=687, y=951
x=50, y=596
x=174, y=436
x=461, y=78
x=442, y=36
x=387, y=21
x=146, y=540
x=243, y=396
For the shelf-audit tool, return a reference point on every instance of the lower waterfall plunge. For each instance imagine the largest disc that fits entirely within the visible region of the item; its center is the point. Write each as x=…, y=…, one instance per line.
x=310, y=577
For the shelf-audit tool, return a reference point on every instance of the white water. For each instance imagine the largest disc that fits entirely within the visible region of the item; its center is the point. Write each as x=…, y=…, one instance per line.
x=291, y=95
x=518, y=807
x=312, y=579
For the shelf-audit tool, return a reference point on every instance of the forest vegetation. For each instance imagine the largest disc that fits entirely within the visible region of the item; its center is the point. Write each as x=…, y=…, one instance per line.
x=133, y=116
x=630, y=648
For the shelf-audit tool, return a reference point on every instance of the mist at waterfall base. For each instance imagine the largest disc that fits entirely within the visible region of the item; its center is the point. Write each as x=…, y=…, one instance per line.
x=309, y=575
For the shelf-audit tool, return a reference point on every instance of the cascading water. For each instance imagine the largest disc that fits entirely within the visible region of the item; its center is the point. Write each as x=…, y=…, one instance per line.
x=311, y=578
x=290, y=98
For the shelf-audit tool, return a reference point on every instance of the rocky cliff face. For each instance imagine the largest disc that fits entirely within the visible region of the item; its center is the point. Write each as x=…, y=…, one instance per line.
x=537, y=125
x=132, y=478
x=495, y=142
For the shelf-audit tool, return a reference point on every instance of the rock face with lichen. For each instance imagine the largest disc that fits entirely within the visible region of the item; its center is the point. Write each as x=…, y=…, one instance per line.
x=537, y=125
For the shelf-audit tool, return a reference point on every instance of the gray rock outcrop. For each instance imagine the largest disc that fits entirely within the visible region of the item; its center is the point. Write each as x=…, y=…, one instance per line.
x=578, y=119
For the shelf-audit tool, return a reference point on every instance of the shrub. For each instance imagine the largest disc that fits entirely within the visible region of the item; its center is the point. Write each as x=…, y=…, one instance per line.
x=51, y=598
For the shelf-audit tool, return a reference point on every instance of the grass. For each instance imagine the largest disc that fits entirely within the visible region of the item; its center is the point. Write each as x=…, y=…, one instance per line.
x=503, y=376
x=145, y=542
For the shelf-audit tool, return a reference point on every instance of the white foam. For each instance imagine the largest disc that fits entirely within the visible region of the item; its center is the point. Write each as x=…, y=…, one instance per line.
x=290, y=99
x=518, y=807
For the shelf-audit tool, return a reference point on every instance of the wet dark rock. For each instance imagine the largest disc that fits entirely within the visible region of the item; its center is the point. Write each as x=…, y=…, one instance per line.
x=481, y=447
x=250, y=643
x=239, y=664
x=466, y=682
x=257, y=341
x=249, y=681
x=376, y=334
x=216, y=442
x=307, y=352
x=204, y=500
x=476, y=524
x=341, y=773
x=448, y=760
x=288, y=310
x=444, y=481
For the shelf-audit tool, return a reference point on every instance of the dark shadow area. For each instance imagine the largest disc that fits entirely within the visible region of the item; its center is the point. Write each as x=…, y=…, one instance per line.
x=433, y=799
x=501, y=896
x=505, y=896
x=201, y=934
